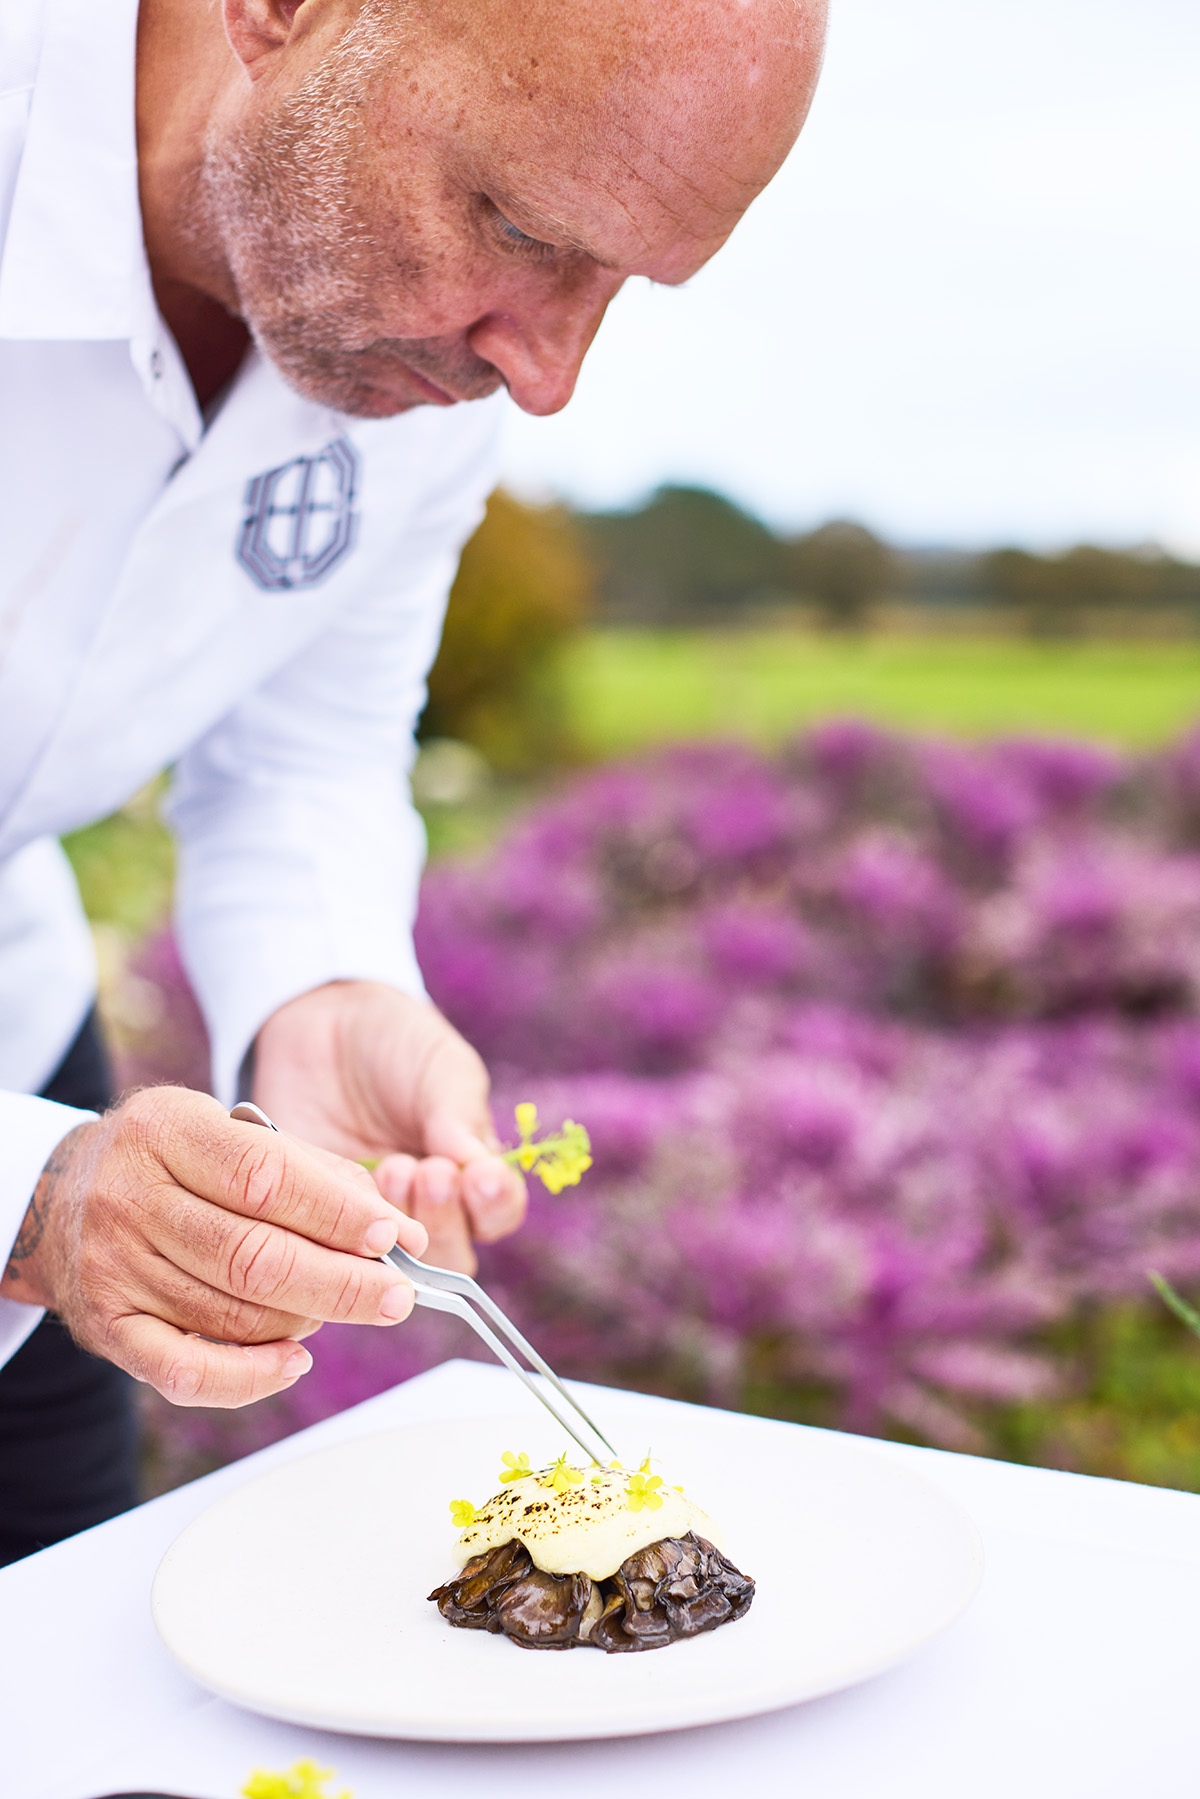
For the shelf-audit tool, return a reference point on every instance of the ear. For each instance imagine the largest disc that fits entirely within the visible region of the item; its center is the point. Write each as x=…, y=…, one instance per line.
x=258, y=29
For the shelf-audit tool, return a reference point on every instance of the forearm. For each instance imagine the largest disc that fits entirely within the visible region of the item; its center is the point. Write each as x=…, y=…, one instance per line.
x=30, y=1132
x=28, y=1274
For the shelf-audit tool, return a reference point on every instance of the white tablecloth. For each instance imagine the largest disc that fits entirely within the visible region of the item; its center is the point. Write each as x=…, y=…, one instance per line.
x=1073, y=1675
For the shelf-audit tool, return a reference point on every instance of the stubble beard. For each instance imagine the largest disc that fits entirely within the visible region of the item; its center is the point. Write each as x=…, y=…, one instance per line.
x=282, y=193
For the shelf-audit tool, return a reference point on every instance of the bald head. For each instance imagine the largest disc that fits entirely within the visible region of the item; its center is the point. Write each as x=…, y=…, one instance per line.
x=659, y=119
x=417, y=203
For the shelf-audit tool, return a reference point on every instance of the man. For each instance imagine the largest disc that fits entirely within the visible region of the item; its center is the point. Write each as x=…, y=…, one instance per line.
x=264, y=264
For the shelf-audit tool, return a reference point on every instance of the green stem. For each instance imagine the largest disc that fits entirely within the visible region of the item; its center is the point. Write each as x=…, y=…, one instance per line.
x=1182, y=1310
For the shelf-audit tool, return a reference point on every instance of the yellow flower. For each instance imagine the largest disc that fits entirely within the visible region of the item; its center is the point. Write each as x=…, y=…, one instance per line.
x=516, y=1467
x=462, y=1513
x=302, y=1781
x=558, y=1160
x=643, y=1491
x=560, y=1475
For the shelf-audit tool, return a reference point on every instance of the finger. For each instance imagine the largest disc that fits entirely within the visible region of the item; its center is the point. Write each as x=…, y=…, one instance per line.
x=462, y=1134
x=265, y=1174
x=188, y=1371
x=437, y=1203
x=494, y=1197
x=263, y=1265
x=394, y=1178
x=165, y=1291
x=409, y=1234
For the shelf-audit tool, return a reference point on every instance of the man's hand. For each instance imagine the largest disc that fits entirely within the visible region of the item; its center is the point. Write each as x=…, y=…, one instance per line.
x=370, y=1072
x=165, y=1224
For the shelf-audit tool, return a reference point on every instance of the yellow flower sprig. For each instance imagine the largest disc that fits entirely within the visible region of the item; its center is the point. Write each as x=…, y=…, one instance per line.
x=560, y=1475
x=462, y=1513
x=304, y=1780
x=516, y=1467
x=560, y=1159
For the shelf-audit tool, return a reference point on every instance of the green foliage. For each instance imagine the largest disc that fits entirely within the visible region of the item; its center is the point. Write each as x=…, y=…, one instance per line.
x=1131, y=1409
x=125, y=865
x=690, y=557
x=686, y=554
x=1058, y=596
x=1128, y=1407
x=843, y=567
x=523, y=590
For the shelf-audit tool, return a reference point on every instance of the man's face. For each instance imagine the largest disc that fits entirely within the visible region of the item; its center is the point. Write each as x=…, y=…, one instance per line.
x=420, y=218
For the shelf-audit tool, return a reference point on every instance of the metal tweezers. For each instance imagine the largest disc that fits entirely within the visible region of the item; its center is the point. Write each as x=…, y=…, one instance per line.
x=443, y=1290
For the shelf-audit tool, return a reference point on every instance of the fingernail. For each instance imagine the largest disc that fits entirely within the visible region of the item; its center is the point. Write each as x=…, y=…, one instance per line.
x=298, y=1363
x=381, y=1236
x=397, y=1301
x=489, y=1185
x=439, y=1185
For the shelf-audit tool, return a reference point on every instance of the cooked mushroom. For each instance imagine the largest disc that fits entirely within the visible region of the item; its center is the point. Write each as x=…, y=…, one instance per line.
x=677, y=1587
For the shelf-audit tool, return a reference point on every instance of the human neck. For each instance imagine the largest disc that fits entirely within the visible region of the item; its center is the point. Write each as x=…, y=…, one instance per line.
x=183, y=65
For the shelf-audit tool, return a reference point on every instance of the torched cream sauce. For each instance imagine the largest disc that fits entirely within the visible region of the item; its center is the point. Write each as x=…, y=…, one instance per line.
x=589, y=1529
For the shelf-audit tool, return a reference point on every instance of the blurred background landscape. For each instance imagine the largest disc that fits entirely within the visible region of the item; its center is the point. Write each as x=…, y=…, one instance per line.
x=812, y=778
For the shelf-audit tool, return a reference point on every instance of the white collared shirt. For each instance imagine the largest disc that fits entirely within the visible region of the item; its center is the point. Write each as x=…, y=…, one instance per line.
x=256, y=603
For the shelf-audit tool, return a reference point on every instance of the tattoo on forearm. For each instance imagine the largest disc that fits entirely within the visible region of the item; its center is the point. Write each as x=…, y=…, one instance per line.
x=33, y=1227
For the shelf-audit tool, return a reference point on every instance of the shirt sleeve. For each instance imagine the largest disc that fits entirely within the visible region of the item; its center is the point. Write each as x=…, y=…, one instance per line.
x=300, y=852
x=30, y=1129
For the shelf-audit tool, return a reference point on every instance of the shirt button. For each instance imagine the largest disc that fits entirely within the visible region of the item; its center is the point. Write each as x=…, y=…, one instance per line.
x=156, y=364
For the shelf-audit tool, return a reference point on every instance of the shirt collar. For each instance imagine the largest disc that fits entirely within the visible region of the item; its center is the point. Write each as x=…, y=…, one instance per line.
x=74, y=264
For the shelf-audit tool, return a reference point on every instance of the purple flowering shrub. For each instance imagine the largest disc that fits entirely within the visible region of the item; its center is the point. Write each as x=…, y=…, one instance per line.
x=883, y=1212
x=890, y=1054
x=673, y=899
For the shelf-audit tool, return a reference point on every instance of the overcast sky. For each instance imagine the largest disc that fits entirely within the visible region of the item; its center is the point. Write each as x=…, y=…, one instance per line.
x=965, y=311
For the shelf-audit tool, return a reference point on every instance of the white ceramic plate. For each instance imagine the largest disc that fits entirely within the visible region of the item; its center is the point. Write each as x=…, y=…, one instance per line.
x=303, y=1594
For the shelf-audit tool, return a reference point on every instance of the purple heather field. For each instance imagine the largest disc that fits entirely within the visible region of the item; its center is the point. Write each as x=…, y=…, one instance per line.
x=889, y=1049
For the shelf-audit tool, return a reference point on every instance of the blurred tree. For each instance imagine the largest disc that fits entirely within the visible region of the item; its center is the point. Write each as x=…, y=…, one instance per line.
x=686, y=554
x=1089, y=577
x=1018, y=579
x=1176, y=583
x=524, y=585
x=1059, y=594
x=843, y=567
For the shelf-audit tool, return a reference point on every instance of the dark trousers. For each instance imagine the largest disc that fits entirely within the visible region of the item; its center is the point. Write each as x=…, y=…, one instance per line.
x=68, y=1433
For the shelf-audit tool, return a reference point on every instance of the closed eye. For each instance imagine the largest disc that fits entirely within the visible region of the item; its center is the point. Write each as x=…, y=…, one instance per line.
x=519, y=242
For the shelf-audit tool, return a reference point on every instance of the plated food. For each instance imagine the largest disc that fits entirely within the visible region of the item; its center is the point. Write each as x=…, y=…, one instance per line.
x=605, y=1558
x=288, y=1595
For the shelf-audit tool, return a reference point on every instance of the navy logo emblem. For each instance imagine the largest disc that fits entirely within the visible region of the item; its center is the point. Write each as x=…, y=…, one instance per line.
x=300, y=519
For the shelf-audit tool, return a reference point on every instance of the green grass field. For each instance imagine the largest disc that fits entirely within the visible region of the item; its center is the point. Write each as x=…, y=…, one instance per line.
x=627, y=689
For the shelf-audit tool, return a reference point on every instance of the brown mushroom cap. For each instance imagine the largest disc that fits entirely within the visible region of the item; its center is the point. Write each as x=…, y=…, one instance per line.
x=677, y=1587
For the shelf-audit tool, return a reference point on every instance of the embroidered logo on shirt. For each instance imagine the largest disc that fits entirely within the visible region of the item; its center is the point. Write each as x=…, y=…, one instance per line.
x=300, y=519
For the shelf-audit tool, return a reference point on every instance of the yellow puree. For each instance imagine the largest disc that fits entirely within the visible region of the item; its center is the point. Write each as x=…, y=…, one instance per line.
x=589, y=1529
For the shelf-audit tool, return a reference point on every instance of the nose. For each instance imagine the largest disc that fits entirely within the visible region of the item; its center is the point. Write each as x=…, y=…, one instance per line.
x=538, y=345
